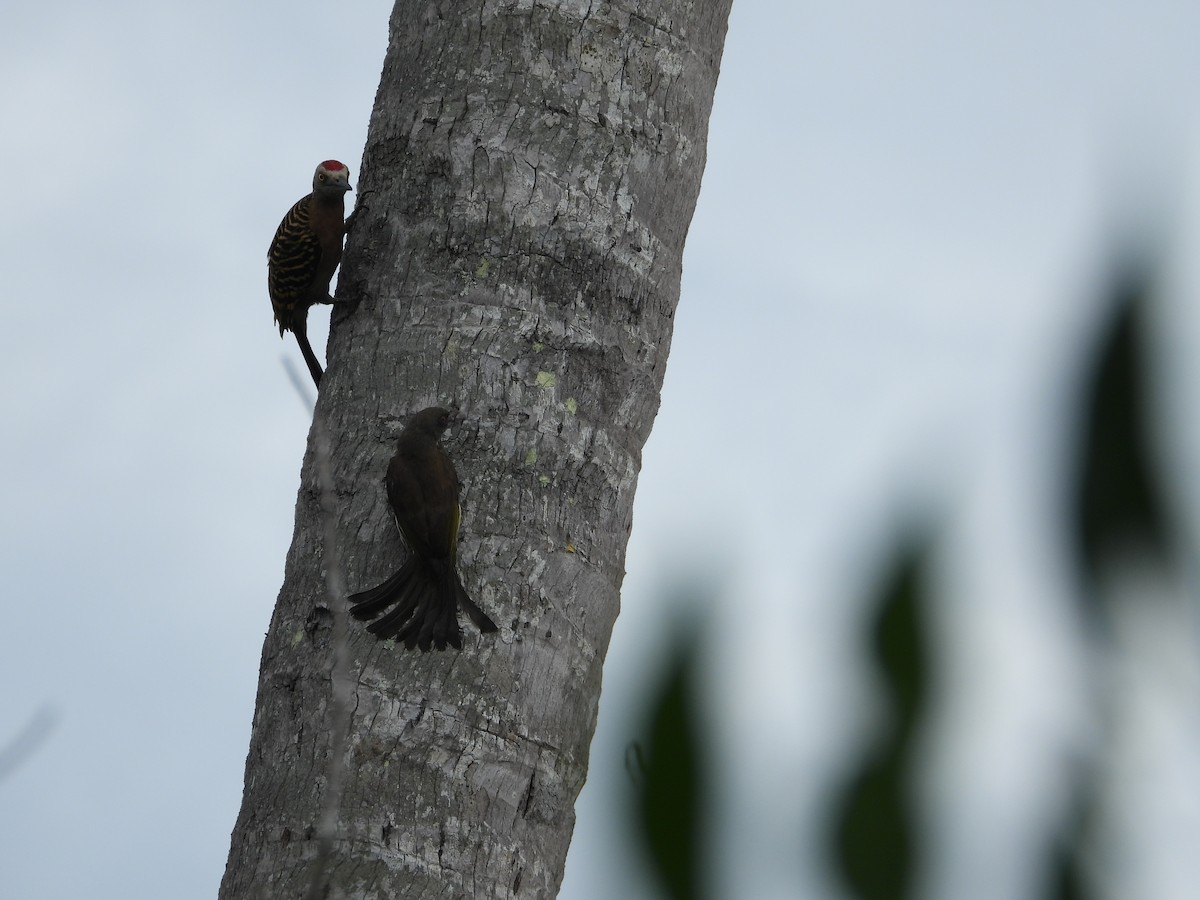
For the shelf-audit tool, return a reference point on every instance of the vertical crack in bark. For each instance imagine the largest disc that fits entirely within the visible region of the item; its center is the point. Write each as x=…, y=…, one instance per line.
x=527, y=800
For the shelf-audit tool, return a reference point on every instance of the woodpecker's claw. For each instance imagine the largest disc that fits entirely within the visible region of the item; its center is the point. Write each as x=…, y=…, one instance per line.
x=358, y=207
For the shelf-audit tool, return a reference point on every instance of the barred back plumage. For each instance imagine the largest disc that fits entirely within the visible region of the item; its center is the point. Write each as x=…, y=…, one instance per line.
x=292, y=264
x=304, y=253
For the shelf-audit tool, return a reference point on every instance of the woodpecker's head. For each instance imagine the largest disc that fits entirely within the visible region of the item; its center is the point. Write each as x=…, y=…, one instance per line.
x=332, y=178
x=432, y=421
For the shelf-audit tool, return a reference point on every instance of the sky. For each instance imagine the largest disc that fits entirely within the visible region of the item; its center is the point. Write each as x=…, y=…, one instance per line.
x=890, y=282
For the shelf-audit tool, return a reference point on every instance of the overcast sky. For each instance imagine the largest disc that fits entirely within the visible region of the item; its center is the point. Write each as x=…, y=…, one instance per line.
x=889, y=279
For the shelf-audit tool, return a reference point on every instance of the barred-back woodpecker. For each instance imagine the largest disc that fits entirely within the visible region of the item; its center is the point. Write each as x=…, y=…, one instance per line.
x=304, y=253
x=426, y=592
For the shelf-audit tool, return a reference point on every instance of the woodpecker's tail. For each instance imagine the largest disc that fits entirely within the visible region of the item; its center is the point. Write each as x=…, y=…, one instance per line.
x=403, y=592
x=434, y=623
x=299, y=328
x=423, y=598
x=477, y=615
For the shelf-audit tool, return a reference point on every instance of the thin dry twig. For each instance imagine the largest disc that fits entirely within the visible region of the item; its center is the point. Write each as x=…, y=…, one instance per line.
x=27, y=740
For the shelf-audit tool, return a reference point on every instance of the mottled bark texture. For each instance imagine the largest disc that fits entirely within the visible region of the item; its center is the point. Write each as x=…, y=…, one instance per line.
x=531, y=172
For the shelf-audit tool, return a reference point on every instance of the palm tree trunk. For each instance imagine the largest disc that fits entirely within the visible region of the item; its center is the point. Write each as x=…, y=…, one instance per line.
x=530, y=175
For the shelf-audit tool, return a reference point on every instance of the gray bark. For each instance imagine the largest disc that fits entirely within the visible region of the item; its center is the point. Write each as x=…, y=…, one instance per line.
x=532, y=171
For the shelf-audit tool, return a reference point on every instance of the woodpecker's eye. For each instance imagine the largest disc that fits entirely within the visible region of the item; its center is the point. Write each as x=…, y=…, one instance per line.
x=321, y=176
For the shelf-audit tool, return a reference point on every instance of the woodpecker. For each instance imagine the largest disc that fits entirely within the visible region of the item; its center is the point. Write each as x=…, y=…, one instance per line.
x=426, y=592
x=306, y=249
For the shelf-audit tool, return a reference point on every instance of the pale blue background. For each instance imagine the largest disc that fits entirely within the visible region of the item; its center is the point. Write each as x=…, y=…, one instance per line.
x=889, y=280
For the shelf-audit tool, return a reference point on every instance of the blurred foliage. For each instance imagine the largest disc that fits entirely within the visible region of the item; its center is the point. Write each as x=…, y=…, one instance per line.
x=673, y=799
x=1118, y=502
x=1068, y=878
x=876, y=835
x=1117, y=514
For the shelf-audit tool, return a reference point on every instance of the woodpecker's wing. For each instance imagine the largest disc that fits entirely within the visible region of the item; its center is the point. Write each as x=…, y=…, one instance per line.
x=406, y=496
x=455, y=522
x=445, y=514
x=422, y=489
x=292, y=263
